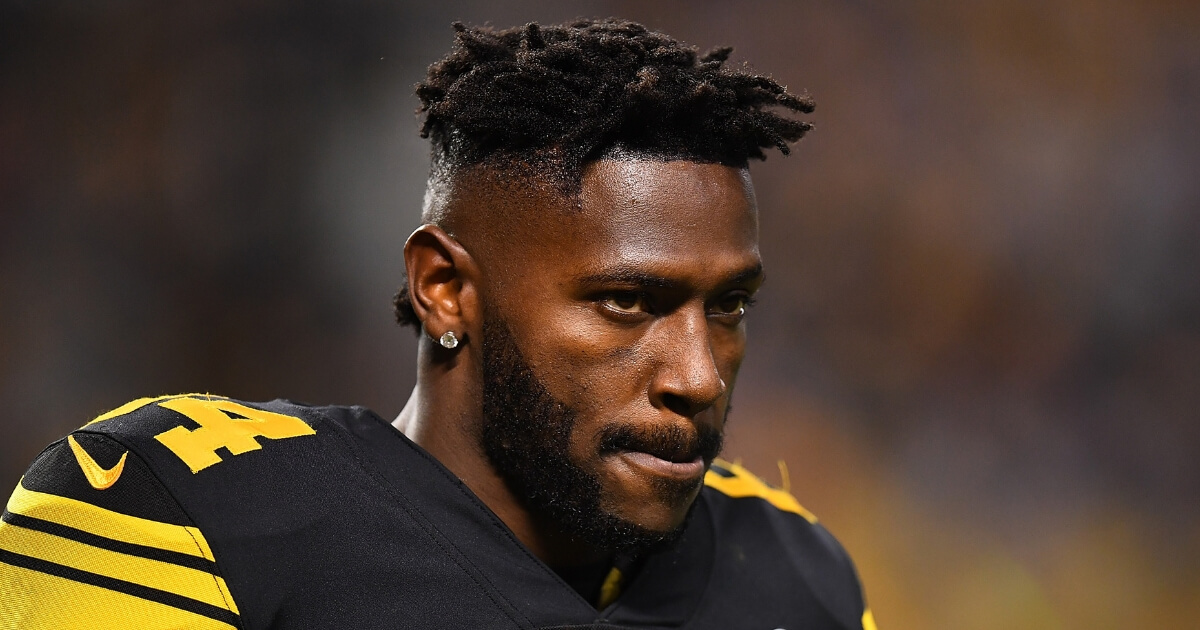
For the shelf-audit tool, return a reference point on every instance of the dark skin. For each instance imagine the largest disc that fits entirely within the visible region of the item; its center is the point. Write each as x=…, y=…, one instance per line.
x=628, y=309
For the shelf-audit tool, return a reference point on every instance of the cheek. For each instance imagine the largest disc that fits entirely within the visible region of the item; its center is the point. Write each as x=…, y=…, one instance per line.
x=598, y=385
x=588, y=366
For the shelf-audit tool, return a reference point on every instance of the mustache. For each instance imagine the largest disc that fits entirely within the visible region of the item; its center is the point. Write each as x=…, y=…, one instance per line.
x=671, y=442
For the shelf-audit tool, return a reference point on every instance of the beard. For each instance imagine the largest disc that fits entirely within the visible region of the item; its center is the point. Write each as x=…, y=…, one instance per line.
x=526, y=435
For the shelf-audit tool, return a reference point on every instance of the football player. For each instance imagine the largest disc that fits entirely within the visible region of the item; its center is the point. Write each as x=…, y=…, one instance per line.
x=580, y=282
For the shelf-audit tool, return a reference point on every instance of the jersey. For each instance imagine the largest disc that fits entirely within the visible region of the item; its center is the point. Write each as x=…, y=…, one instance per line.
x=203, y=512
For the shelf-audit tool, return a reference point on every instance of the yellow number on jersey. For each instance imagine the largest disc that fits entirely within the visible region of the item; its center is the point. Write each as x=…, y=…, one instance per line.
x=197, y=448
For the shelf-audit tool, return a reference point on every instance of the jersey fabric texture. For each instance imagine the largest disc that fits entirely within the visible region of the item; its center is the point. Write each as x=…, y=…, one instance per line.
x=203, y=512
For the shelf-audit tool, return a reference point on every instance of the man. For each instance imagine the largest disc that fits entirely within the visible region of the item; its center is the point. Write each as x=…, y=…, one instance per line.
x=588, y=253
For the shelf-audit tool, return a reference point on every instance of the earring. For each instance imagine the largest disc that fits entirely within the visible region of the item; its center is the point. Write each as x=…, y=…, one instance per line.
x=449, y=341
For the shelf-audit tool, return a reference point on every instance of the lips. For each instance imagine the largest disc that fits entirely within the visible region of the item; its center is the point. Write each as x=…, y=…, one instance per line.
x=671, y=451
x=657, y=466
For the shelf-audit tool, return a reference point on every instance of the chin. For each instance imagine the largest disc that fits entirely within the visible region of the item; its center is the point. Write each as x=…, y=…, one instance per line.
x=663, y=510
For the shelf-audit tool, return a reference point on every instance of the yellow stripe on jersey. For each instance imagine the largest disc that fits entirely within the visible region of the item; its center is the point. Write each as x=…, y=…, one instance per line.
x=743, y=483
x=187, y=582
x=868, y=620
x=109, y=524
x=38, y=601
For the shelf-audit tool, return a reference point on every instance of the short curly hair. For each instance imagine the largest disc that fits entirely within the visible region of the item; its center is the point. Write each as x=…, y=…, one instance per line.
x=554, y=98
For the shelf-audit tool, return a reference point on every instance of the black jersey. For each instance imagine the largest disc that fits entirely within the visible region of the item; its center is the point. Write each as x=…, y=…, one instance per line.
x=203, y=512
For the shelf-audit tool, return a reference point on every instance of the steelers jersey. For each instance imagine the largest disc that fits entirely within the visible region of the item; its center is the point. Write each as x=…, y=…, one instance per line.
x=202, y=512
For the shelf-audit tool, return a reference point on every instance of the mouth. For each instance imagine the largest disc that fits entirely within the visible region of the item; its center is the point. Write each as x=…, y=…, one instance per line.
x=657, y=466
x=671, y=452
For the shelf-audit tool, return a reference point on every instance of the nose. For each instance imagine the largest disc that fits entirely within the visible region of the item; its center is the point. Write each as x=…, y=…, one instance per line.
x=686, y=380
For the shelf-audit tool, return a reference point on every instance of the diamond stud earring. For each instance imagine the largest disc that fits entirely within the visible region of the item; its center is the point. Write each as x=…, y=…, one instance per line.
x=449, y=341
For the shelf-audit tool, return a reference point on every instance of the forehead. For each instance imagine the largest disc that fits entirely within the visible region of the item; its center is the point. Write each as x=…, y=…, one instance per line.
x=659, y=217
x=667, y=204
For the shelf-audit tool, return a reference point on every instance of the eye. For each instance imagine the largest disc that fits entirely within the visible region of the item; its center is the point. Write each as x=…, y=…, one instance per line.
x=626, y=303
x=732, y=306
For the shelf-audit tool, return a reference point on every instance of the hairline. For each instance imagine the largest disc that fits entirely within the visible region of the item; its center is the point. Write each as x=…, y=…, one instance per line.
x=528, y=179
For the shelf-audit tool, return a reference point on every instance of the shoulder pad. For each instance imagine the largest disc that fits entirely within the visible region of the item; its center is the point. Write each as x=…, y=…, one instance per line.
x=91, y=538
x=194, y=426
x=746, y=508
x=735, y=481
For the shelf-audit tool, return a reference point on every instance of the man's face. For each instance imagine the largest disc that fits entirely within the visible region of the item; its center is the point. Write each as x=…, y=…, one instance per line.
x=612, y=340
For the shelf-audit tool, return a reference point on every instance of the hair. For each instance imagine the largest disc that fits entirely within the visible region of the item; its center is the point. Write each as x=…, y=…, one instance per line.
x=546, y=101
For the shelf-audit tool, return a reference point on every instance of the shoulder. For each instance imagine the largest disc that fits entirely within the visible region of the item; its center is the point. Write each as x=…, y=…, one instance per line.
x=218, y=456
x=90, y=530
x=195, y=426
x=735, y=482
x=115, y=462
x=752, y=515
x=129, y=512
x=183, y=435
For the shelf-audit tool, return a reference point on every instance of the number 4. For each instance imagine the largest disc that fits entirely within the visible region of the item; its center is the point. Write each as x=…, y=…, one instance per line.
x=197, y=448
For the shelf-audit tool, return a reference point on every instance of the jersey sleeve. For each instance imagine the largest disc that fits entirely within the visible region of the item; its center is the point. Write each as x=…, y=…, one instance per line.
x=92, y=539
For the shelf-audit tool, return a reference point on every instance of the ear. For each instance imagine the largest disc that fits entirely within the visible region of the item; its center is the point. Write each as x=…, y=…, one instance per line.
x=442, y=280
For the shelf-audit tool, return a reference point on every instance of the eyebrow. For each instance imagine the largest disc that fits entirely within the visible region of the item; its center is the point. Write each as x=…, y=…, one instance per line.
x=640, y=278
x=747, y=275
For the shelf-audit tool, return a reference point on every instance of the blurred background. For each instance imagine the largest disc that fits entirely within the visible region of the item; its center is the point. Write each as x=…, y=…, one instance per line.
x=978, y=351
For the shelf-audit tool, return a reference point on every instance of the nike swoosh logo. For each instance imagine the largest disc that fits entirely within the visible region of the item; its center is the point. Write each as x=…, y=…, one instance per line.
x=99, y=477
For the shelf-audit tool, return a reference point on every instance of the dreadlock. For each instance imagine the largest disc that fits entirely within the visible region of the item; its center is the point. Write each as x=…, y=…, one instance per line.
x=557, y=97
